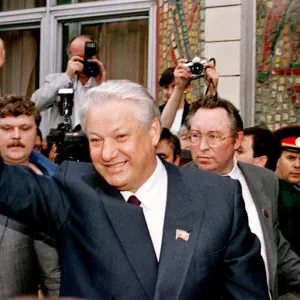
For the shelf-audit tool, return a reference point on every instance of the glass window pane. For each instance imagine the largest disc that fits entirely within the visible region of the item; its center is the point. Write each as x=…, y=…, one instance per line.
x=123, y=48
x=20, y=72
x=6, y=5
x=59, y=2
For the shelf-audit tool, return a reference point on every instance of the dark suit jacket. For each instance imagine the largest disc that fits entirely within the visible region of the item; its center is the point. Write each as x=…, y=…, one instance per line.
x=282, y=261
x=289, y=213
x=105, y=247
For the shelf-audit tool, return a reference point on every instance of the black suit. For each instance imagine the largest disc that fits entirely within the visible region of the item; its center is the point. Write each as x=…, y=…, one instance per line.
x=105, y=247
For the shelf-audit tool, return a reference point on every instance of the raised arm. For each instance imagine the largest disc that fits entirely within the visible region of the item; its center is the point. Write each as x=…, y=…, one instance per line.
x=34, y=200
x=182, y=78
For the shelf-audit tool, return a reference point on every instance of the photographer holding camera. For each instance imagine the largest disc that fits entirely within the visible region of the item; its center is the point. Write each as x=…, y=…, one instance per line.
x=83, y=72
x=174, y=82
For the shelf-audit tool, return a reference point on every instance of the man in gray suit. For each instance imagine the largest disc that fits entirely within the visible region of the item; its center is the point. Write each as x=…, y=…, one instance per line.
x=25, y=262
x=216, y=132
x=75, y=77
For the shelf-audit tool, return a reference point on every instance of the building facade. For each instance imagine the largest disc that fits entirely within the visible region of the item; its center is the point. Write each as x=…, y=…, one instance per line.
x=256, y=45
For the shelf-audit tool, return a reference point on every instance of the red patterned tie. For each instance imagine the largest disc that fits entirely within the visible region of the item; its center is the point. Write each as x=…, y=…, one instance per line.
x=134, y=200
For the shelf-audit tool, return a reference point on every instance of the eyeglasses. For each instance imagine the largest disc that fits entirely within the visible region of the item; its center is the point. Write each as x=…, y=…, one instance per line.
x=212, y=139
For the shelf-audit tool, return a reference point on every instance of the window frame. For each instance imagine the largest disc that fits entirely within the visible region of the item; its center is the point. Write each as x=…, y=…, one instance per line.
x=50, y=20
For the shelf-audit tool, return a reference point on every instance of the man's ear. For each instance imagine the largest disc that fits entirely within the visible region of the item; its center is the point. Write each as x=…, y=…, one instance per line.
x=261, y=161
x=177, y=160
x=155, y=130
x=238, y=139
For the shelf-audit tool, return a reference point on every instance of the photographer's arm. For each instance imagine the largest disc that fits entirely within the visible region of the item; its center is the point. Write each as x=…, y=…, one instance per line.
x=44, y=97
x=182, y=78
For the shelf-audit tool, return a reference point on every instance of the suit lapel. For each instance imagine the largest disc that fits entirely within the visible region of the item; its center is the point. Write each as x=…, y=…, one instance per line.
x=176, y=254
x=130, y=227
x=262, y=203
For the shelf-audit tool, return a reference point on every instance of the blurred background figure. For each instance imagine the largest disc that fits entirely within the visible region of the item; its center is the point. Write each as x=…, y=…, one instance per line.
x=168, y=147
x=288, y=166
x=288, y=169
x=185, y=142
x=259, y=147
x=38, y=141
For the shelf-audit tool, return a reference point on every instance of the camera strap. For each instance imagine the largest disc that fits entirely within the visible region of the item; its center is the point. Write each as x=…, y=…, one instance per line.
x=211, y=81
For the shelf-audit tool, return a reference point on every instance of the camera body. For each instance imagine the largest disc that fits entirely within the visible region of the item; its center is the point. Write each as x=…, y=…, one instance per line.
x=90, y=67
x=196, y=66
x=70, y=145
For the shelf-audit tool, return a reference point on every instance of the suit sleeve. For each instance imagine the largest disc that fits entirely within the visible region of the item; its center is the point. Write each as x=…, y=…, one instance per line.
x=44, y=97
x=244, y=270
x=31, y=199
x=49, y=268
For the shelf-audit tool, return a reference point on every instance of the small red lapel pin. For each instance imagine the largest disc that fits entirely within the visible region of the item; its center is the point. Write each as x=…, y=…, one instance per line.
x=265, y=213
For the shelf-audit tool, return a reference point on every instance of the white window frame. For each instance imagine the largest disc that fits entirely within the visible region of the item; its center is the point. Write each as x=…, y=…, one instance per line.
x=248, y=62
x=50, y=19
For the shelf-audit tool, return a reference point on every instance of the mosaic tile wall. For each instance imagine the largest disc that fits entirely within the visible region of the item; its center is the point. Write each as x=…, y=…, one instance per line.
x=278, y=63
x=180, y=35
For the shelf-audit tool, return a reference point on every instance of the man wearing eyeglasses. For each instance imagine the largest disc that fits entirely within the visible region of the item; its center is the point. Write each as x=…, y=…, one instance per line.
x=216, y=132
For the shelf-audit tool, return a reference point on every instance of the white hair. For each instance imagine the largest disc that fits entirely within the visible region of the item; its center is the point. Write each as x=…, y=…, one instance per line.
x=121, y=90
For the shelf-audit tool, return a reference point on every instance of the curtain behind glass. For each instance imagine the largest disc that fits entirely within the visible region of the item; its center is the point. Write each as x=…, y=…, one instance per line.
x=123, y=48
x=6, y=5
x=19, y=74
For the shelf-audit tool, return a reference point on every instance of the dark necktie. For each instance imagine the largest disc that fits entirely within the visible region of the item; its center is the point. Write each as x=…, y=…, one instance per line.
x=134, y=200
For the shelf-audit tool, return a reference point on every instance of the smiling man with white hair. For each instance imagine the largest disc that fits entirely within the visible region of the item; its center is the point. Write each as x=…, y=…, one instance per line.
x=129, y=226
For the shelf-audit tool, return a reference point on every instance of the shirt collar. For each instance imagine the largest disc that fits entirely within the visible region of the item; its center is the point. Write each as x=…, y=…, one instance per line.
x=233, y=173
x=152, y=185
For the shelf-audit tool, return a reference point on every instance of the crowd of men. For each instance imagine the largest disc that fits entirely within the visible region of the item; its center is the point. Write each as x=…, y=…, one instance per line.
x=178, y=202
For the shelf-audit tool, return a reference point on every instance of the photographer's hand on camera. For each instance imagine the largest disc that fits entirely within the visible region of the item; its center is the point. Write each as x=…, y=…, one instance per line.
x=74, y=66
x=182, y=76
x=102, y=74
x=211, y=74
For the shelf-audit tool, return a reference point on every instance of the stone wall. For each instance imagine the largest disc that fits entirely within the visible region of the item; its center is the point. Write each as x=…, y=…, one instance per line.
x=180, y=35
x=278, y=63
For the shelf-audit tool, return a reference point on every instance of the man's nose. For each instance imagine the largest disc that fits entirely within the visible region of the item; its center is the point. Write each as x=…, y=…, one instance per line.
x=16, y=133
x=203, y=145
x=297, y=163
x=109, y=150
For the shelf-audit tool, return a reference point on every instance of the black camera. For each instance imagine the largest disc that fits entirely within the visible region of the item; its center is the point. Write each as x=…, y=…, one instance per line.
x=197, y=67
x=90, y=67
x=70, y=145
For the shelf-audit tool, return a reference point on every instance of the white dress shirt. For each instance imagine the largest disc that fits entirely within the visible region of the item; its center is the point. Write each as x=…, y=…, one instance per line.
x=153, y=197
x=79, y=97
x=253, y=218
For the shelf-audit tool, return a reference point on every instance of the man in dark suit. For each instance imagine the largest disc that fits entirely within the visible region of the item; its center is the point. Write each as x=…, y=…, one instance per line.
x=216, y=132
x=129, y=226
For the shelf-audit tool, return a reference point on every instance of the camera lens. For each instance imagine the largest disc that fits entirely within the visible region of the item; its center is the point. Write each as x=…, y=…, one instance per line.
x=197, y=68
x=91, y=68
